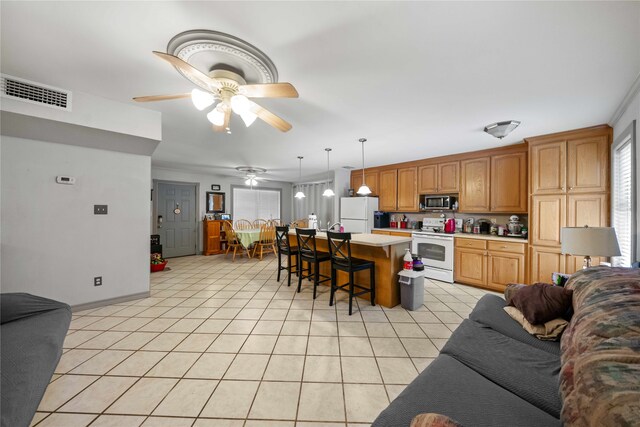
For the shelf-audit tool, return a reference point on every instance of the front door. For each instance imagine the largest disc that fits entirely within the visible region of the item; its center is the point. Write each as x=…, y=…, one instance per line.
x=177, y=207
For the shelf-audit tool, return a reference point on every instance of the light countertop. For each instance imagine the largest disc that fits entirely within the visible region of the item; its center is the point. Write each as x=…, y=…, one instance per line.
x=490, y=237
x=399, y=230
x=377, y=240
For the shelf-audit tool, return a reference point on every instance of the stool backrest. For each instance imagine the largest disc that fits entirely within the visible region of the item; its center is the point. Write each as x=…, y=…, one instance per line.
x=282, y=237
x=306, y=242
x=340, y=248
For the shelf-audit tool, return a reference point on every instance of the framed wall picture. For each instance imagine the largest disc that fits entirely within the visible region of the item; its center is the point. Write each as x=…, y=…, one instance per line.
x=215, y=187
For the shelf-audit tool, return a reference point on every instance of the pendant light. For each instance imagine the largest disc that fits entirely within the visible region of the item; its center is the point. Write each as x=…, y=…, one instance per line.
x=363, y=190
x=328, y=192
x=300, y=194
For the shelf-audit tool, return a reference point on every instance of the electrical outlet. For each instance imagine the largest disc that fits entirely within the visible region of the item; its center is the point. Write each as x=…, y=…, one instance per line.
x=100, y=209
x=97, y=281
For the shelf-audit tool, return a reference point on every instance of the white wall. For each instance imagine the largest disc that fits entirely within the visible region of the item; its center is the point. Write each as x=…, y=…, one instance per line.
x=632, y=112
x=225, y=182
x=52, y=243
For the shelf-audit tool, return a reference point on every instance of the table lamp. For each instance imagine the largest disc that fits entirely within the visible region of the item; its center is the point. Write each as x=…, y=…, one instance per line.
x=589, y=241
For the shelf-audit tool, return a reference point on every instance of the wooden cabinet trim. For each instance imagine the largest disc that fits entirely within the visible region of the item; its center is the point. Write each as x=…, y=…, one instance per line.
x=509, y=183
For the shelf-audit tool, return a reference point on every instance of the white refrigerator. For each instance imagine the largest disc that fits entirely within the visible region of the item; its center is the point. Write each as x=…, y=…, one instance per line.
x=356, y=213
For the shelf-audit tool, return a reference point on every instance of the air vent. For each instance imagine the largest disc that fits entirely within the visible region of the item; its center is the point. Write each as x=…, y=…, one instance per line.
x=34, y=93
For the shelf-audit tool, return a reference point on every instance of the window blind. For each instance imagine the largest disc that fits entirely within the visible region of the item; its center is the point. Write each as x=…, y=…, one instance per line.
x=256, y=204
x=623, y=215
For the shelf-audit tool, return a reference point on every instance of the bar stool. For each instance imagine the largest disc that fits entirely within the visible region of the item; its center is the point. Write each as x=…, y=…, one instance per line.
x=284, y=248
x=308, y=253
x=341, y=259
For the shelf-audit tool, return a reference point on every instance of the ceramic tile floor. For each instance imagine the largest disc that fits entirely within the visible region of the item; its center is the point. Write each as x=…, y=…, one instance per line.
x=220, y=343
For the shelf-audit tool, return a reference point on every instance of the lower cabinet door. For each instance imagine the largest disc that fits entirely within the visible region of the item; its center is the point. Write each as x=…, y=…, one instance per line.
x=504, y=268
x=544, y=262
x=470, y=266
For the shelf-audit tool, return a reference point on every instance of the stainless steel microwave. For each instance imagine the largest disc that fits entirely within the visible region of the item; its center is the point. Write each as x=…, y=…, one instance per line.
x=432, y=202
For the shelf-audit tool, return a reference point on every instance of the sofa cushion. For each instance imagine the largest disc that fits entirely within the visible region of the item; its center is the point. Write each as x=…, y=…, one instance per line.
x=526, y=371
x=449, y=387
x=601, y=349
x=31, y=338
x=489, y=311
x=548, y=331
x=542, y=302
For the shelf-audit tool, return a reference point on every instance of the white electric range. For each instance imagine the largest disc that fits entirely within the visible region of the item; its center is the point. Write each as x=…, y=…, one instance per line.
x=435, y=248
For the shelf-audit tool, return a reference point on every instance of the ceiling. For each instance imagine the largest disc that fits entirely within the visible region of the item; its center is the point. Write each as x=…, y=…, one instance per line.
x=418, y=79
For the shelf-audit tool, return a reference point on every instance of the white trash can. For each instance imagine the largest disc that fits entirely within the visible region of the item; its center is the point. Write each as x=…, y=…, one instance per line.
x=411, y=289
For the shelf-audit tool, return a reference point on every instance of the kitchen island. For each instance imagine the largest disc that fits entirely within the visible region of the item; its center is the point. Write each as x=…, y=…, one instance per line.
x=385, y=251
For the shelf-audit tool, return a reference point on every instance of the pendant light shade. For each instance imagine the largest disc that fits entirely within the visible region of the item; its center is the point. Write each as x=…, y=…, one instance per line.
x=328, y=192
x=364, y=190
x=300, y=194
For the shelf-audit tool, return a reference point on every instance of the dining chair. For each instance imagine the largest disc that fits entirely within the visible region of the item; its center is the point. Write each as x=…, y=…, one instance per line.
x=267, y=240
x=277, y=222
x=243, y=224
x=258, y=223
x=232, y=240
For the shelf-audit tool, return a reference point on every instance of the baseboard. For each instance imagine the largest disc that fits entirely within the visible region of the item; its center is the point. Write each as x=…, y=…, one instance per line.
x=109, y=301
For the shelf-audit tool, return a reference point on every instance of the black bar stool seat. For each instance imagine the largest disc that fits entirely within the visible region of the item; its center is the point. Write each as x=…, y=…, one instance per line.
x=307, y=252
x=284, y=248
x=341, y=259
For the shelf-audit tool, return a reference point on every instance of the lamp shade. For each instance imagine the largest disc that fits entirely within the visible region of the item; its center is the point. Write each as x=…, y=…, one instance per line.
x=589, y=241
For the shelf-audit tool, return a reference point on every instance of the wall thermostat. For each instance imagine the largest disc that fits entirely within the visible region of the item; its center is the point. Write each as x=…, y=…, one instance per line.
x=69, y=180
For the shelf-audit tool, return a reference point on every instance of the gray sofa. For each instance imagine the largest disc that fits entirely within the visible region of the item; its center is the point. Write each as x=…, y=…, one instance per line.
x=490, y=373
x=32, y=332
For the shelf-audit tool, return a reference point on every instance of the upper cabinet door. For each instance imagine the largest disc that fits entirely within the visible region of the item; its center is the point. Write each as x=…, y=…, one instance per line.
x=587, y=166
x=587, y=209
x=474, y=181
x=407, y=190
x=509, y=183
x=388, y=191
x=449, y=177
x=428, y=179
x=548, y=167
x=356, y=179
x=371, y=179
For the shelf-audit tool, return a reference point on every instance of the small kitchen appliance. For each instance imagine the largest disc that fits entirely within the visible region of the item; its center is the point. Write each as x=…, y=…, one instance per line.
x=450, y=226
x=380, y=219
x=485, y=226
x=514, y=226
x=429, y=202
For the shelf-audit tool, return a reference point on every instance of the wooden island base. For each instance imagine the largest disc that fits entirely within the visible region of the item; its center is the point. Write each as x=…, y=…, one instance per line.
x=387, y=253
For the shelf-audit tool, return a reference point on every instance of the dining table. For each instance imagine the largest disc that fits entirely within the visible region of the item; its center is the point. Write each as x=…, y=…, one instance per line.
x=248, y=236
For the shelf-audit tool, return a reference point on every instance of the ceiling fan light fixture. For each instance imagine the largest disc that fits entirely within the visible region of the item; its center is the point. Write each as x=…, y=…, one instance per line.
x=202, y=99
x=251, y=181
x=216, y=116
x=248, y=118
x=240, y=104
x=501, y=129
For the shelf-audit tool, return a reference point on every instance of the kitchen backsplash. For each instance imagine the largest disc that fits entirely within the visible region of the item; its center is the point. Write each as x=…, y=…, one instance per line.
x=501, y=219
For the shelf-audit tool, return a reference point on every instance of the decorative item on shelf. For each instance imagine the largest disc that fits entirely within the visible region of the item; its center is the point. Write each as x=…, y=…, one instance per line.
x=328, y=192
x=300, y=195
x=157, y=262
x=364, y=190
x=589, y=241
x=501, y=129
x=209, y=217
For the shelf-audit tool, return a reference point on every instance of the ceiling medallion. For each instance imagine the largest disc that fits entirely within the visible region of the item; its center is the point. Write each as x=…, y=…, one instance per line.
x=205, y=49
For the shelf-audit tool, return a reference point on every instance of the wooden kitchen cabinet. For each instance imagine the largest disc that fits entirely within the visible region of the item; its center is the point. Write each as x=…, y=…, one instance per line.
x=428, y=179
x=470, y=266
x=371, y=178
x=548, y=167
x=504, y=268
x=443, y=178
x=388, y=190
x=509, y=183
x=587, y=209
x=407, y=190
x=544, y=261
x=547, y=218
x=475, y=185
x=212, y=239
x=588, y=164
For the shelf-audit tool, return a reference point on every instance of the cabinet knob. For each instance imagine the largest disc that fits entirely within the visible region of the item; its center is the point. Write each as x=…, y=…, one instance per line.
x=570, y=188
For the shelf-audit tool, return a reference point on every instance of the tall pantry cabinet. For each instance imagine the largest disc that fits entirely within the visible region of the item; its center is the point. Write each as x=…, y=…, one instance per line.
x=568, y=187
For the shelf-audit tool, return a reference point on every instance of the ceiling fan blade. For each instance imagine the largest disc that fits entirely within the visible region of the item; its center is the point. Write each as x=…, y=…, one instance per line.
x=188, y=69
x=225, y=125
x=270, y=118
x=161, y=97
x=269, y=90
